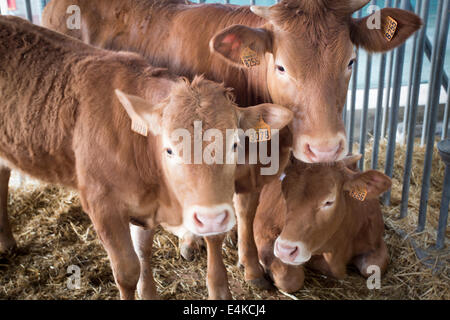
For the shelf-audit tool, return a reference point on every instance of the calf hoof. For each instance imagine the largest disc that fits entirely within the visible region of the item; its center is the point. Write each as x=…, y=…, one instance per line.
x=262, y=284
x=188, y=249
x=187, y=252
x=226, y=295
x=7, y=246
x=143, y=296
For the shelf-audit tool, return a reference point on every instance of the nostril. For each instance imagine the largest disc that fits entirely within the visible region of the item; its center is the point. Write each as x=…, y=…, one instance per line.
x=309, y=151
x=293, y=252
x=197, y=221
x=223, y=217
x=205, y=219
x=324, y=153
x=287, y=250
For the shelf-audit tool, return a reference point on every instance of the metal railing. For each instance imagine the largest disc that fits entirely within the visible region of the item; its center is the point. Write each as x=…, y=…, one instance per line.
x=388, y=105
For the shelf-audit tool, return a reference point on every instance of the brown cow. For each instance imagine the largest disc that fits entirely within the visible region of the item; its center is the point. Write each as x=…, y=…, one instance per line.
x=304, y=49
x=312, y=218
x=64, y=120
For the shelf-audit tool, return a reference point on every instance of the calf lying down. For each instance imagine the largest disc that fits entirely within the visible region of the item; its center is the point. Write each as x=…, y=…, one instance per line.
x=324, y=217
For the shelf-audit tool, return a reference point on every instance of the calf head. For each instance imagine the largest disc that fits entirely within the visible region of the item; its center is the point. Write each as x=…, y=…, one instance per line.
x=316, y=208
x=195, y=129
x=306, y=55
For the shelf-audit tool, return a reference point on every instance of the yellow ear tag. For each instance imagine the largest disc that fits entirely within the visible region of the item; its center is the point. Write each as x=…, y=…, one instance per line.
x=359, y=194
x=249, y=58
x=139, y=127
x=390, y=28
x=262, y=132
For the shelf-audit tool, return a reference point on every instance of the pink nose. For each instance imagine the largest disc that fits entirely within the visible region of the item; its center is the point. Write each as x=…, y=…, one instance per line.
x=286, y=252
x=323, y=154
x=211, y=223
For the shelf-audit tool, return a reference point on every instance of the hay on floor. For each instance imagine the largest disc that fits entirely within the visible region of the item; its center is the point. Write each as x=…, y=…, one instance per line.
x=53, y=233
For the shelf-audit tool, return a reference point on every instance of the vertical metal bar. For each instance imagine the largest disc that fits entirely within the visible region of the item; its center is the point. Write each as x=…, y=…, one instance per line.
x=365, y=110
x=387, y=99
x=411, y=79
x=379, y=113
x=363, y=131
x=344, y=115
x=252, y=2
x=445, y=122
x=443, y=216
x=414, y=105
x=426, y=120
x=379, y=110
x=428, y=51
x=28, y=8
x=434, y=106
x=393, y=121
x=351, y=127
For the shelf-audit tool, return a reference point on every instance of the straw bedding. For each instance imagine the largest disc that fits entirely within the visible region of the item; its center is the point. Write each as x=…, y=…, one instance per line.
x=53, y=233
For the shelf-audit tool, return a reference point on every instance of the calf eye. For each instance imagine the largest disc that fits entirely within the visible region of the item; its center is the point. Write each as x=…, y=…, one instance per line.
x=169, y=152
x=328, y=204
x=281, y=69
x=351, y=63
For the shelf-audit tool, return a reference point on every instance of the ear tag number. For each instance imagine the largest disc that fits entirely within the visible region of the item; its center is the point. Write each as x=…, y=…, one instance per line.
x=359, y=194
x=139, y=127
x=249, y=58
x=262, y=132
x=390, y=28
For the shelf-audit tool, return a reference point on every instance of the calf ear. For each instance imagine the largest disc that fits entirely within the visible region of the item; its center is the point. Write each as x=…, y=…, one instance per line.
x=351, y=161
x=277, y=117
x=231, y=42
x=144, y=117
x=374, y=182
x=373, y=39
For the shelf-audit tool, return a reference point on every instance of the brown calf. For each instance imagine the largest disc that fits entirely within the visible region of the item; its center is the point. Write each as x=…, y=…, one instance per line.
x=312, y=218
x=302, y=57
x=64, y=119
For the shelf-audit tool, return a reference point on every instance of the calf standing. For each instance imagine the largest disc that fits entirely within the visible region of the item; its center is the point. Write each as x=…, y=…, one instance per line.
x=313, y=217
x=64, y=119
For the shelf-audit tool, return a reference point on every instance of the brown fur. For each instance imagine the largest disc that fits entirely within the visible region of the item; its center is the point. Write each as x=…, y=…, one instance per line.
x=351, y=233
x=62, y=122
x=314, y=39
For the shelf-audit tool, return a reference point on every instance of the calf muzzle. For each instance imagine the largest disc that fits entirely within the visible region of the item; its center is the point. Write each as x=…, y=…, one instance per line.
x=208, y=221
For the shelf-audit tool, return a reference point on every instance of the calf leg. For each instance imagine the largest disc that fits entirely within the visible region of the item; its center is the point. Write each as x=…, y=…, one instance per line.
x=189, y=244
x=217, y=279
x=114, y=232
x=318, y=263
x=246, y=205
x=378, y=257
x=143, y=244
x=337, y=264
x=7, y=241
x=287, y=278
